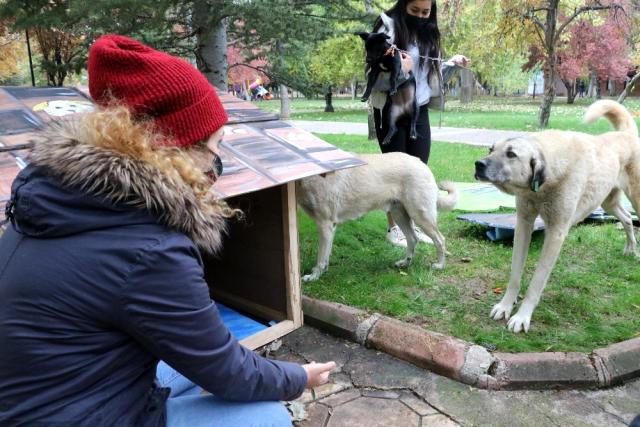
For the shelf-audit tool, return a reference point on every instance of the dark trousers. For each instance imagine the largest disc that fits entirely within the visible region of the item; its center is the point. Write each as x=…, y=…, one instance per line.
x=420, y=147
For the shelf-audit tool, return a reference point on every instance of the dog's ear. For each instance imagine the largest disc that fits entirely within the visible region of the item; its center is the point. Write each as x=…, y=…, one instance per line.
x=537, y=174
x=363, y=35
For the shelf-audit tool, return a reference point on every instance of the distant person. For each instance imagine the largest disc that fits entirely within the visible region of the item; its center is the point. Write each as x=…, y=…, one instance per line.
x=581, y=88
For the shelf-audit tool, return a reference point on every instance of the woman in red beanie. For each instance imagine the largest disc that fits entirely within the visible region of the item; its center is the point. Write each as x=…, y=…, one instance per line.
x=100, y=270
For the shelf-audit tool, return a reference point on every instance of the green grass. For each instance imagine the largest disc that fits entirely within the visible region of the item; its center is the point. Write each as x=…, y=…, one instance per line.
x=513, y=113
x=592, y=298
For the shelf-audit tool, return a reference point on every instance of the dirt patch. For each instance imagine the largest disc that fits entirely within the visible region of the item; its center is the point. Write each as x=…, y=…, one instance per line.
x=476, y=288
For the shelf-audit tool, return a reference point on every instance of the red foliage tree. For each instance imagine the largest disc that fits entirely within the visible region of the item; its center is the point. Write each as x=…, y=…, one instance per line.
x=241, y=70
x=600, y=50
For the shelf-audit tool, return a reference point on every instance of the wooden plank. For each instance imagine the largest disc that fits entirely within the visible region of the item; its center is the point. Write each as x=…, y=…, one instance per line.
x=243, y=304
x=291, y=253
x=269, y=335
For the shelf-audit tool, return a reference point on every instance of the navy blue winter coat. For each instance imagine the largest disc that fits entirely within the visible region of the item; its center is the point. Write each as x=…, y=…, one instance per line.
x=100, y=278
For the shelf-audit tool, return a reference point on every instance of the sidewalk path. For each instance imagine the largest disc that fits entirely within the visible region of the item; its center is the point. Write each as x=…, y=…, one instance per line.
x=482, y=137
x=372, y=389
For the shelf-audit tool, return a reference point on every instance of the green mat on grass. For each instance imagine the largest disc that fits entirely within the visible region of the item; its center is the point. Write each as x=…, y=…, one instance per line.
x=484, y=197
x=481, y=197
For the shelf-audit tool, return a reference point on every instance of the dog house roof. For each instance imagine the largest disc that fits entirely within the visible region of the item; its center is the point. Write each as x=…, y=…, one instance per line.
x=258, y=150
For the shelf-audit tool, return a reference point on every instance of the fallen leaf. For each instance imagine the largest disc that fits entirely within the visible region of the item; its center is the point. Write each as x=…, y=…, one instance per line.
x=498, y=290
x=403, y=273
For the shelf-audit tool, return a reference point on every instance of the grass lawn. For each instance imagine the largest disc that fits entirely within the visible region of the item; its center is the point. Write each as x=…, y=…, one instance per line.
x=513, y=113
x=592, y=298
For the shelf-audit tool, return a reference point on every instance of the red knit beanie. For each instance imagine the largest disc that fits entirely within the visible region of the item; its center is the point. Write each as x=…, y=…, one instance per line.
x=179, y=99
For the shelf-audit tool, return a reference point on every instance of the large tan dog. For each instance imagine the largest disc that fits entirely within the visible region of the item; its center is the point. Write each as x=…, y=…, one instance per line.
x=394, y=182
x=563, y=177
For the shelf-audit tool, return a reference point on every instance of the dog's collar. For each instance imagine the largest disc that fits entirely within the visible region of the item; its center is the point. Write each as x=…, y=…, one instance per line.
x=535, y=185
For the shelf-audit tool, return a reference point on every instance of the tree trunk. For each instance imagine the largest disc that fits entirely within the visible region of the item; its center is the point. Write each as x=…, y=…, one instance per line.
x=550, y=65
x=371, y=125
x=354, y=88
x=534, y=89
x=598, y=89
x=285, y=105
x=592, y=85
x=467, y=80
x=571, y=90
x=547, y=100
x=627, y=90
x=211, y=54
x=328, y=108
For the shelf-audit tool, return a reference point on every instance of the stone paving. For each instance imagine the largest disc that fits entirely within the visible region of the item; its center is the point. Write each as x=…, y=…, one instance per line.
x=482, y=137
x=370, y=388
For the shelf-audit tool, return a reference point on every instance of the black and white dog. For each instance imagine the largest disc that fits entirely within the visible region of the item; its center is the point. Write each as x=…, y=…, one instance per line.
x=383, y=58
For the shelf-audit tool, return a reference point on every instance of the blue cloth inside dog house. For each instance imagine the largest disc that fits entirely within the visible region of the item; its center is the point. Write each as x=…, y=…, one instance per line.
x=240, y=325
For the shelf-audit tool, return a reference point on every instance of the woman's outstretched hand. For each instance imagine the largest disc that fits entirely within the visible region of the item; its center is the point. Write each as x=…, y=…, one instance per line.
x=406, y=62
x=318, y=373
x=460, y=60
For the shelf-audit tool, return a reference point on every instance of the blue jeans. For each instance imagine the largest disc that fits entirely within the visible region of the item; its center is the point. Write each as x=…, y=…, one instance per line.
x=187, y=406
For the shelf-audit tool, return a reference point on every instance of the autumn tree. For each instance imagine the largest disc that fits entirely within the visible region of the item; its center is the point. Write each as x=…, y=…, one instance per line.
x=11, y=50
x=549, y=22
x=598, y=49
x=338, y=61
x=634, y=42
x=243, y=69
x=62, y=50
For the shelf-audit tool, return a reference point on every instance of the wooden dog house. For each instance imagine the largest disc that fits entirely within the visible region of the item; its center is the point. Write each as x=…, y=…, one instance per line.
x=257, y=273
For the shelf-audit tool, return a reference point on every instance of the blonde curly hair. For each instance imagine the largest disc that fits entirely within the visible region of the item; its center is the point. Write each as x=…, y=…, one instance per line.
x=115, y=128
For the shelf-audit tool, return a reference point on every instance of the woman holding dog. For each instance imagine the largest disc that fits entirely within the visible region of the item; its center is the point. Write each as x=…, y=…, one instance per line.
x=413, y=28
x=100, y=269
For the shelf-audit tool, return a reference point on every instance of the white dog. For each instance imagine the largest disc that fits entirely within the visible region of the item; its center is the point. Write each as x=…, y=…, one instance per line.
x=563, y=177
x=394, y=182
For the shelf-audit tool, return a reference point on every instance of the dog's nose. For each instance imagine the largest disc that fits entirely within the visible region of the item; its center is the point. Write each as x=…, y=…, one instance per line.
x=481, y=165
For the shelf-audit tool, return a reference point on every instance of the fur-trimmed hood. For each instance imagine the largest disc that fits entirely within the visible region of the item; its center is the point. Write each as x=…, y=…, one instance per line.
x=71, y=185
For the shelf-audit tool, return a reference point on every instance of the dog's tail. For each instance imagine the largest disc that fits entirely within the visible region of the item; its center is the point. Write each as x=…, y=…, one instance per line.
x=446, y=203
x=619, y=116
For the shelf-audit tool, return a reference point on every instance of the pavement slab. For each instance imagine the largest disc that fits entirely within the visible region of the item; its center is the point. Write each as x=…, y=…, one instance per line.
x=372, y=388
x=373, y=412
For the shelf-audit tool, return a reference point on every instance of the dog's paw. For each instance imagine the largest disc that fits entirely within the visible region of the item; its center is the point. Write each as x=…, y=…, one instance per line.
x=310, y=277
x=501, y=310
x=413, y=135
x=364, y=99
x=403, y=263
x=519, y=322
x=437, y=265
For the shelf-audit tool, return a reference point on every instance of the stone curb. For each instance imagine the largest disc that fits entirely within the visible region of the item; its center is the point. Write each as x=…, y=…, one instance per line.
x=473, y=364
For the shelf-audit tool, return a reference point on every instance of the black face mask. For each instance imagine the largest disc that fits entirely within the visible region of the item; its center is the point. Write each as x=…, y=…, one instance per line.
x=215, y=170
x=415, y=23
